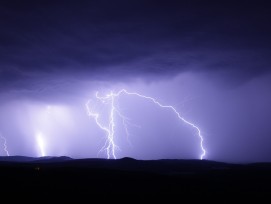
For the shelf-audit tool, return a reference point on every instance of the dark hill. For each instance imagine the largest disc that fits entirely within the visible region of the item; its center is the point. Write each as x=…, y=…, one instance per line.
x=64, y=177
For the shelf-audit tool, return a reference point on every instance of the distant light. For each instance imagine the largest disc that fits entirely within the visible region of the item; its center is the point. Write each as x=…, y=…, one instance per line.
x=41, y=144
x=49, y=109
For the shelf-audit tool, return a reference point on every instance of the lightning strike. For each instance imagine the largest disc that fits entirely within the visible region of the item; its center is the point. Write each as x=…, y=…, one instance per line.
x=41, y=145
x=110, y=145
x=5, y=145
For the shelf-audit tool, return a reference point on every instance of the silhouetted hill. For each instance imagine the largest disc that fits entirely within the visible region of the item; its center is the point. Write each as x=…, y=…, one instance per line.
x=81, y=178
x=33, y=159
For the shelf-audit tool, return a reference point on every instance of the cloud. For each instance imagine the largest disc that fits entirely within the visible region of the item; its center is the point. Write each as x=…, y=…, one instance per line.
x=51, y=40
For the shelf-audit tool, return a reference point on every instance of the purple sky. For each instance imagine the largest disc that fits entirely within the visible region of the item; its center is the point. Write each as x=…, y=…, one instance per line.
x=211, y=61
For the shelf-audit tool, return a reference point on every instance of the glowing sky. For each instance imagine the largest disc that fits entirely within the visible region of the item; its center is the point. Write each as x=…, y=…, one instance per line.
x=208, y=60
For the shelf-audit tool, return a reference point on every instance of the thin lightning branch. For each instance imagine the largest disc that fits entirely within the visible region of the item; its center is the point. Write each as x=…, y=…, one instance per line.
x=126, y=122
x=5, y=145
x=110, y=131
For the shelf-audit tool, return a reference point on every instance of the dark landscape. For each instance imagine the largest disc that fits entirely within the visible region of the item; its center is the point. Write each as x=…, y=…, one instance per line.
x=146, y=84
x=65, y=177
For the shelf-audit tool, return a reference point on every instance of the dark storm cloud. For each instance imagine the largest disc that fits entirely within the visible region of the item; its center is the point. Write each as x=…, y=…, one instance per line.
x=118, y=39
x=54, y=56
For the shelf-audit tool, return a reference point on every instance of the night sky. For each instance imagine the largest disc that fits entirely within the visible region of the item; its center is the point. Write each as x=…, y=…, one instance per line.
x=209, y=59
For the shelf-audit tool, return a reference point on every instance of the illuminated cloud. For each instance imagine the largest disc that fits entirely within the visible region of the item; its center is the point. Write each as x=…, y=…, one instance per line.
x=210, y=60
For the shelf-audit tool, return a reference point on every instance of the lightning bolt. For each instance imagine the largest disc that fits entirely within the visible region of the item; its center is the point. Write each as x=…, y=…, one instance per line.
x=110, y=145
x=5, y=145
x=40, y=141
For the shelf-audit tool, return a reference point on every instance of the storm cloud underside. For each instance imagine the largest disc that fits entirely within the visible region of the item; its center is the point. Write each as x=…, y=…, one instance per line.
x=210, y=60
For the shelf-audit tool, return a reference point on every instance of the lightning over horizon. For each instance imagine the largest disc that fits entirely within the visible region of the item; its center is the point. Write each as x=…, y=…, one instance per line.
x=175, y=79
x=5, y=145
x=40, y=142
x=110, y=145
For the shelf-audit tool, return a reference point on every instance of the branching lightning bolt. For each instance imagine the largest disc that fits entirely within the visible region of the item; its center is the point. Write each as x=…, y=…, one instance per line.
x=5, y=145
x=110, y=145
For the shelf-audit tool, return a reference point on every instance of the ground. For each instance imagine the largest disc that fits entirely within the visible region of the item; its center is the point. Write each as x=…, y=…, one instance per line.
x=66, y=179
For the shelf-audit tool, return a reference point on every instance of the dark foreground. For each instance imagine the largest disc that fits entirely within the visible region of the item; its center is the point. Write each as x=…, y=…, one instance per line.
x=66, y=179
